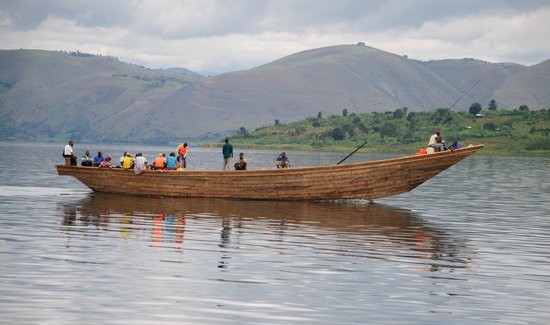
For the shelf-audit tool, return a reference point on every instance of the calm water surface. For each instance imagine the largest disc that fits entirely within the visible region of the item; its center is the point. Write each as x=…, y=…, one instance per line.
x=470, y=246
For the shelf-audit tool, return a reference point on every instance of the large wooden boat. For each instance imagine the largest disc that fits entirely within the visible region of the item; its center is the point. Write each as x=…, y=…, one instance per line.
x=365, y=180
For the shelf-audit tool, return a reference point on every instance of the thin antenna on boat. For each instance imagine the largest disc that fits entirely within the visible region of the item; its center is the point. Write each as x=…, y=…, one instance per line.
x=450, y=108
x=354, y=151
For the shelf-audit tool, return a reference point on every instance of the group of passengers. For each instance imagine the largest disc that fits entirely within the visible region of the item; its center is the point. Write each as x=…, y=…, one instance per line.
x=436, y=144
x=138, y=162
x=161, y=162
x=178, y=162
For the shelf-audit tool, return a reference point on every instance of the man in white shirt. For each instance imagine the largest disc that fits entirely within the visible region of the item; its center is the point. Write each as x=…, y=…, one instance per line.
x=68, y=153
x=140, y=163
x=433, y=138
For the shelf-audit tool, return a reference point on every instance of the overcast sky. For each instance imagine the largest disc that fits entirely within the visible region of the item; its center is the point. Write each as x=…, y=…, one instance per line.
x=216, y=36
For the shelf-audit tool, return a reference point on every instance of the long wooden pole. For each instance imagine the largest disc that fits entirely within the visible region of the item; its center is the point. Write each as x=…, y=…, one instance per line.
x=450, y=108
x=354, y=151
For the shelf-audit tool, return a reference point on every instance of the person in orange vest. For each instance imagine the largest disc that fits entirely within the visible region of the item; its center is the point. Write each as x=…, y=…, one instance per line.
x=182, y=154
x=160, y=162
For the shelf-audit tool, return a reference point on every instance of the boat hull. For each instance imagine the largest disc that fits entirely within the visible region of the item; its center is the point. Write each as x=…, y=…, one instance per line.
x=366, y=180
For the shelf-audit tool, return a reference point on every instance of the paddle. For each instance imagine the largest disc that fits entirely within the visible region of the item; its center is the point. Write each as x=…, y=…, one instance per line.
x=354, y=151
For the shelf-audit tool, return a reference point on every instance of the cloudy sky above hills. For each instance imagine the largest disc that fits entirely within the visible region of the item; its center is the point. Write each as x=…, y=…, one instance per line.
x=216, y=36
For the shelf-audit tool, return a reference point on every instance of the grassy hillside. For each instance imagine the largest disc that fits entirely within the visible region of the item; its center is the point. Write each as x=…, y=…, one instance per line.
x=503, y=132
x=529, y=86
x=58, y=95
x=483, y=76
x=45, y=94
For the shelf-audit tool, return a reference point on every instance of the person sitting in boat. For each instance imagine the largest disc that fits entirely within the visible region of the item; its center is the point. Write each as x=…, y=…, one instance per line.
x=456, y=144
x=87, y=159
x=433, y=138
x=160, y=162
x=121, y=160
x=241, y=162
x=140, y=163
x=128, y=161
x=98, y=159
x=282, y=161
x=106, y=163
x=439, y=144
x=172, y=161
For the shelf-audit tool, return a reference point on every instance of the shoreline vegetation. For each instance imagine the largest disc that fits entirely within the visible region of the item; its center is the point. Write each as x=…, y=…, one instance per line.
x=520, y=132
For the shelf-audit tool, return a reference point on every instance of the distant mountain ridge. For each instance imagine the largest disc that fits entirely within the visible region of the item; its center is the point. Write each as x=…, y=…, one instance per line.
x=57, y=95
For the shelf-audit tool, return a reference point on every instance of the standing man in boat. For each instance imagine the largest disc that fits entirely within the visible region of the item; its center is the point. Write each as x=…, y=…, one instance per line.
x=227, y=151
x=182, y=154
x=69, y=155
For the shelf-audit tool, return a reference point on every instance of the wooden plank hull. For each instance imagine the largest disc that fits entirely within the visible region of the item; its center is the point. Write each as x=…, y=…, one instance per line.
x=365, y=180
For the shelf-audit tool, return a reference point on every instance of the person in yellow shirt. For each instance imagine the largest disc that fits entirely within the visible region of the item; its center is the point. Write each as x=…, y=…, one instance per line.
x=128, y=161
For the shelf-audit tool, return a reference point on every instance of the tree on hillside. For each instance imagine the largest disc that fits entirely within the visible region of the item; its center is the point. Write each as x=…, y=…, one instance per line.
x=338, y=134
x=524, y=108
x=490, y=126
x=349, y=129
x=277, y=122
x=492, y=105
x=242, y=131
x=441, y=115
x=388, y=129
x=345, y=112
x=475, y=108
x=399, y=113
x=320, y=115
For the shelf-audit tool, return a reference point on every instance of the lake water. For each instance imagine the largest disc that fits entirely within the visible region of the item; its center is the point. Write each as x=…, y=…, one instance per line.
x=470, y=246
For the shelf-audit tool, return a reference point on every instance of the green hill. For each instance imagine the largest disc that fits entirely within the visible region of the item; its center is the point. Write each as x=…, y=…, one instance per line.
x=503, y=132
x=49, y=95
x=483, y=76
x=46, y=94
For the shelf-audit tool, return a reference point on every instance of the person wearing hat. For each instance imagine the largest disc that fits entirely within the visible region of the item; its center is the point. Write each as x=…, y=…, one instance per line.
x=128, y=161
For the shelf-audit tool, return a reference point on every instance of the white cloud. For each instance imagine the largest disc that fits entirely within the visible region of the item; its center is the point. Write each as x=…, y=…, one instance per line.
x=521, y=38
x=212, y=36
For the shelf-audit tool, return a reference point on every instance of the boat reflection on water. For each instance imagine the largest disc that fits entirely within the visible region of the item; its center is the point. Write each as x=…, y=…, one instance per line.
x=346, y=228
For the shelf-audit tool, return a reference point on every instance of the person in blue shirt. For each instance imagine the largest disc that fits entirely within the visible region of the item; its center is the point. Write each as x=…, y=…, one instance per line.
x=98, y=159
x=456, y=144
x=172, y=161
